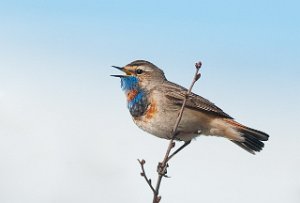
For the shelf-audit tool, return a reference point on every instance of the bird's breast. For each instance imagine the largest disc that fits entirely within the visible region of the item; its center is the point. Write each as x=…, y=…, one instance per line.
x=137, y=102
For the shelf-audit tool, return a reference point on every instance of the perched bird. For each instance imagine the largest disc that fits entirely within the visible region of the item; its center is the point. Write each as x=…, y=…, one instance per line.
x=154, y=103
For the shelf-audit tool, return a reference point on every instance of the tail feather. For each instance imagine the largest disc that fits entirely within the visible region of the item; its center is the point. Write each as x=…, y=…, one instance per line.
x=252, y=138
x=240, y=144
x=256, y=133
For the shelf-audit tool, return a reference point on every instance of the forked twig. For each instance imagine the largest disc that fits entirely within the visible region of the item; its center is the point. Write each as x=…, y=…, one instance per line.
x=162, y=166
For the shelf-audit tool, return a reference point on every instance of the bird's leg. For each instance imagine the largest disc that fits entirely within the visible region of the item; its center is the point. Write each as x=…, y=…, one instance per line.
x=186, y=143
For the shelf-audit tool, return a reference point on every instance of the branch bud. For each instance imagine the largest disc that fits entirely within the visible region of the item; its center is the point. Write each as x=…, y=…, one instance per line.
x=198, y=65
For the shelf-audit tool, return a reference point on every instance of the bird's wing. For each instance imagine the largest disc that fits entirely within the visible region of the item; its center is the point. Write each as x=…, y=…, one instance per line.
x=176, y=95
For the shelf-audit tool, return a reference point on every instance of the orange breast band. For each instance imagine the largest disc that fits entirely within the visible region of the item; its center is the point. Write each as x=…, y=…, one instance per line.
x=131, y=94
x=151, y=110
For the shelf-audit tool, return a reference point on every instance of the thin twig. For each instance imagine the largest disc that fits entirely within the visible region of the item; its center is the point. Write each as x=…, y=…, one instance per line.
x=196, y=77
x=143, y=173
x=162, y=166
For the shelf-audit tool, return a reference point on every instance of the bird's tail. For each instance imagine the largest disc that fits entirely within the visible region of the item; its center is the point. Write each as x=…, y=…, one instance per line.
x=252, y=138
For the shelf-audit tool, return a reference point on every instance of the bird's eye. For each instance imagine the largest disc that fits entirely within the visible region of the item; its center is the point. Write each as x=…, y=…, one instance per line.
x=139, y=71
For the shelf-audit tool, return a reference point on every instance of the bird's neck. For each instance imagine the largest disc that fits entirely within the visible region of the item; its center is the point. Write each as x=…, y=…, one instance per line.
x=137, y=101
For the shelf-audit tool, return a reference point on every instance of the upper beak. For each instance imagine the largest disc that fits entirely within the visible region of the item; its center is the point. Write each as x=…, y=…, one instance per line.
x=121, y=69
x=117, y=67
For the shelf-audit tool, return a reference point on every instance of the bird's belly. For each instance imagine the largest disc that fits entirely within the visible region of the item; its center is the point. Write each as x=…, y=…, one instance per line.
x=162, y=122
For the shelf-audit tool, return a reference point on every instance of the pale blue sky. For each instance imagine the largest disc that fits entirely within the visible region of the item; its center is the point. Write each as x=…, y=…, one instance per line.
x=65, y=132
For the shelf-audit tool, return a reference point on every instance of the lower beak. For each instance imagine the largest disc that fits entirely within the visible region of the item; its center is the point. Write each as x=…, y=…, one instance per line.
x=119, y=76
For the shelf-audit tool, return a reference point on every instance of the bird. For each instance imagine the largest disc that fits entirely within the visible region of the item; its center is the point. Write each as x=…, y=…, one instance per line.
x=154, y=103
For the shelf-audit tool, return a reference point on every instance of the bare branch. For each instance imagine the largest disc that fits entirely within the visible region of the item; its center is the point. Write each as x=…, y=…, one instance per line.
x=162, y=166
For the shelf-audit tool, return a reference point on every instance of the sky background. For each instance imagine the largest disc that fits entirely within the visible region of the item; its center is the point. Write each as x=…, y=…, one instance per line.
x=65, y=132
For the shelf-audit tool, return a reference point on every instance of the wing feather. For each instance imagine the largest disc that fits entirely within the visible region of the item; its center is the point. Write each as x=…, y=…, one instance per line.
x=177, y=93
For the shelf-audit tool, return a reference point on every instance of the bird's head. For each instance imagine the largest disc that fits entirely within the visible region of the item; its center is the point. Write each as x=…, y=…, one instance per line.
x=142, y=74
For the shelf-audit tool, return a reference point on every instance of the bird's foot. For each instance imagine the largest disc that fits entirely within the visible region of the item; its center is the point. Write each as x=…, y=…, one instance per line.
x=162, y=169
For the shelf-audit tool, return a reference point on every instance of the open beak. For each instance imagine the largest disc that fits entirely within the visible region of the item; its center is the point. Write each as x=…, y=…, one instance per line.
x=121, y=69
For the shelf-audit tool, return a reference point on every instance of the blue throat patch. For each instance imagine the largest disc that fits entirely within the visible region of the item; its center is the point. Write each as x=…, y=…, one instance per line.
x=129, y=83
x=139, y=104
x=136, y=99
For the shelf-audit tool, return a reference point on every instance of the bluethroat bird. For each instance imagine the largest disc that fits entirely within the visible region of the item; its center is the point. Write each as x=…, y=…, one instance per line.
x=154, y=103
